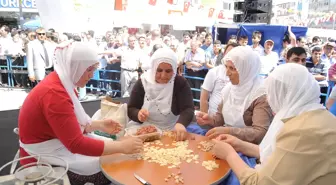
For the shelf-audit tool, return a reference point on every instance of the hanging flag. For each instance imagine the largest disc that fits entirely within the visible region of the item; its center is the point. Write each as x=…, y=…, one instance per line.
x=332, y=17
x=186, y=7
x=211, y=12
x=221, y=14
x=152, y=2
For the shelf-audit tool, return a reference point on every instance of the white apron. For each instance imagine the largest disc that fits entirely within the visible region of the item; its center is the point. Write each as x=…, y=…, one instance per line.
x=164, y=122
x=79, y=164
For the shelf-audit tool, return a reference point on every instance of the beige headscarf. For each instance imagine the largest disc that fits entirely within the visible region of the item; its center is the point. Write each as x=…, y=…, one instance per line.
x=239, y=97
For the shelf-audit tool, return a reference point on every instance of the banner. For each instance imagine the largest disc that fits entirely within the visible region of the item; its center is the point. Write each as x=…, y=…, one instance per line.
x=59, y=15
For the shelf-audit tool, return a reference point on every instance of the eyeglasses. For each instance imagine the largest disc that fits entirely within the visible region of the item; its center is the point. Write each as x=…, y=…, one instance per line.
x=41, y=33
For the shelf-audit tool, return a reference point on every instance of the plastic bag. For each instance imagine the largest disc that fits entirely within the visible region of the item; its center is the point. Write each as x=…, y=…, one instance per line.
x=114, y=111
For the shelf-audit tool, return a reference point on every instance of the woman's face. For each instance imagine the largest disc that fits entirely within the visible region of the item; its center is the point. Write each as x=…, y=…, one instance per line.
x=232, y=72
x=88, y=74
x=164, y=73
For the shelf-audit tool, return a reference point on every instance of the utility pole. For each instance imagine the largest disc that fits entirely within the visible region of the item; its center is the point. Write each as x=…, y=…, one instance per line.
x=20, y=14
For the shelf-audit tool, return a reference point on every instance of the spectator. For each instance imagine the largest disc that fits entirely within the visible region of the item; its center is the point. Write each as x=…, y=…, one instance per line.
x=211, y=58
x=326, y=57
x=207, y=46
x=232, y=39
x=269, y=58
x=296, y=55
x=243, y=40
x=195, y=60
x=256, y=46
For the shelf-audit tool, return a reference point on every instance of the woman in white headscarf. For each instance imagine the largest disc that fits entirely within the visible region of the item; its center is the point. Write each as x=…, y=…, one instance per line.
x=161, y=97
x=244, y=111
x=52, y=120
x=299, y=147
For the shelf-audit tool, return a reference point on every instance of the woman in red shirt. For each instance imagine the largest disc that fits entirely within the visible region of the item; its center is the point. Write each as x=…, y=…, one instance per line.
x=53, y=121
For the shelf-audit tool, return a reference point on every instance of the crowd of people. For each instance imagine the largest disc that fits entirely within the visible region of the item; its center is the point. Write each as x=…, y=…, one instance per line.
x=249, y=102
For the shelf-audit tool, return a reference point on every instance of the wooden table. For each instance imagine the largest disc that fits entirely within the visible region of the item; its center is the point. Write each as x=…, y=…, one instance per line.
x=120, y=168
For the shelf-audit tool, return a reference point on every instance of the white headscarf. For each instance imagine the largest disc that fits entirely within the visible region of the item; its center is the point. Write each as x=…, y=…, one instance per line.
x=291, y=90
x=239, y=97
x=161, y=93
x=71, y=61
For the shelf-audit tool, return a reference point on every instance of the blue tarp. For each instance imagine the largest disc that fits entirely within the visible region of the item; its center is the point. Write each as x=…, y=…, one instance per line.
x=274, y=32
x=33, y=24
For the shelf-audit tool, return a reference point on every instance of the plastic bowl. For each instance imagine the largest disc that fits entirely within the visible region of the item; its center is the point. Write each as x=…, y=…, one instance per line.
x=131, y=131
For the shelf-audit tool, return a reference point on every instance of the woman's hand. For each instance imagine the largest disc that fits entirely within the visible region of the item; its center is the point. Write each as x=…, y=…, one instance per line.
x=221, y=149
x=143, y=115
x=236, y=143
x=131, y=145
x=181, y=132
x=109, y=126
x=215, y=132
x=204, y=119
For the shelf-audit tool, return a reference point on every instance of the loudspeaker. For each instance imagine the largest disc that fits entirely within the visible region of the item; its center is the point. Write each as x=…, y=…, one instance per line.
x=258, y=18
x=261, y=6
x=253, y=11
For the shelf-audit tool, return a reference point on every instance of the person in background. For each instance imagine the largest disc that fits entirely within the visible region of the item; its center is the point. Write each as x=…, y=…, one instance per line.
x=225, y=50
x=243, y=40
x=53, y=121
x=232, y=39
x=90, y=38
x=130, y=60
x=16, y=50
x=156, y=37
x=6, y=42
x=174, y=46
x=39, y=57
x=161, y=97
x=211, y=58
x=207, y=46
x=316, y=42
x=302, y=131
x=167, y=41
x=269, y=58
x=256, y=46
x=326, y=57
x=155, y=47
x=302, y=42
x=319, y=69
x=244, y=111
x=296, y=55
x=195, y=60
x=142, y=45
x=283, y=56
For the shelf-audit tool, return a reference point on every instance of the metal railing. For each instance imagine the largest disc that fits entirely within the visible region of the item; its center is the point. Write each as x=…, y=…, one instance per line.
x=103, y=84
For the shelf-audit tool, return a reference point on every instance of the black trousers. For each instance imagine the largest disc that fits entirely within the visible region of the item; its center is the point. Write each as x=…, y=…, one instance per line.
x=20, y=78
x=323, y=98
x=3, y=76
x=114, y=76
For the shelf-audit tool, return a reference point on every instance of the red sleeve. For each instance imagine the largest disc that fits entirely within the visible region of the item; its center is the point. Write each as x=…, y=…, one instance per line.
x=58, y=110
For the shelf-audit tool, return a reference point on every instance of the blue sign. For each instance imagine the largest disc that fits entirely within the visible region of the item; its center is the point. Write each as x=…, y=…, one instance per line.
x=28, y=4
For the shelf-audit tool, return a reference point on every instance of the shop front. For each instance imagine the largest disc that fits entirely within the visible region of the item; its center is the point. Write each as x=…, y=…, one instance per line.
x=9, y=11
